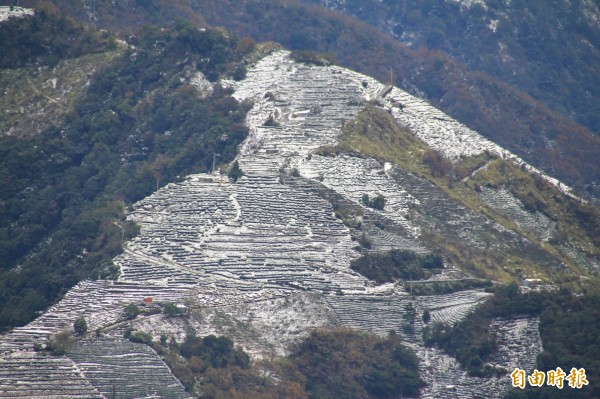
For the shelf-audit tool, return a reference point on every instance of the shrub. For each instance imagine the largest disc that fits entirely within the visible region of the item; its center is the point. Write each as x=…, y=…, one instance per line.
x=80, y=326
x=438, y=164
x=171, y=309
x=426, y=316
x=376, y=203
x=235, y=172
x=409, y=316
x=311, y=58
x=131, y=311
x=365, y=241
x=61, y=342
x=140, y=337
x=365, y=199
x=392, y=265
x=270, y=121
x=217, y=351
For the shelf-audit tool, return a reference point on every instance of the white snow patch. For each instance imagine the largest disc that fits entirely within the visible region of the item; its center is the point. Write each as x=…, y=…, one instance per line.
x=236, y=206
x=202, y=84
x=493, y=25
x=7, y=12
x=469, y=3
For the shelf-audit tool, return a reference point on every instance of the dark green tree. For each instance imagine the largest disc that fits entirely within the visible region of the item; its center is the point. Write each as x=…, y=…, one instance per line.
x=80, y=326
x=271, y=122
x=235, y=172
x=378, y=202
x=409, y=316
x=365, y=241
x=171, y=310
x=365, y=199
x=426, y=316
x=131, y=311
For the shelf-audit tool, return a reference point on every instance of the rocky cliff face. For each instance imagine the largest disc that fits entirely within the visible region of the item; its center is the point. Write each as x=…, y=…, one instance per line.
x=267, y=259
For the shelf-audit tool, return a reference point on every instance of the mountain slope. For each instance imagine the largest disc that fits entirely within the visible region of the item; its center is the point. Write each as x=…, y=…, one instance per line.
x=279, y=243
x=355, y=205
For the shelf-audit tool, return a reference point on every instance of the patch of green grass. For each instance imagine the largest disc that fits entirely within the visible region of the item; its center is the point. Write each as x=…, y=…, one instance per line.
x=375, y=133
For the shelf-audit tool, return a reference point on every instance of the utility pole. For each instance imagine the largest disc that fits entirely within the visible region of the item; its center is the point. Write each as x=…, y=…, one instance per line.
x=215, y=155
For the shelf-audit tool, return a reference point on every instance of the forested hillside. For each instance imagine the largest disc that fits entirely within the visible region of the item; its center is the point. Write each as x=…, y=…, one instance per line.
x=327, y=364
x=140, y=124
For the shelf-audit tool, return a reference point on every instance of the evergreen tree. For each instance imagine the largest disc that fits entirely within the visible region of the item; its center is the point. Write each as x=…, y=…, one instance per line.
x=80, y=326
x=409, y=316
x=426, y=316
x=365, y=199
x=235, y=172
x=378, y=202
x=171, y=310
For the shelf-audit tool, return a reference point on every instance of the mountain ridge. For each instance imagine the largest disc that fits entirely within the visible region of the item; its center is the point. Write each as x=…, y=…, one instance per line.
x=512, y=118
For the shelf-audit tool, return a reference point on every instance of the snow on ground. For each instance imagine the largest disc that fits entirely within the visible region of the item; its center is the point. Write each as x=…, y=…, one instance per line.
x=353, y=177
x=469, y=3
x=202, y=84
x=537, y=222
x=7, y=12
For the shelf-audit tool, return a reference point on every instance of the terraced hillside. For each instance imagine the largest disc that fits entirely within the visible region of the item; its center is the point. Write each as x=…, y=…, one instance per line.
x=266, y=259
